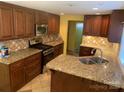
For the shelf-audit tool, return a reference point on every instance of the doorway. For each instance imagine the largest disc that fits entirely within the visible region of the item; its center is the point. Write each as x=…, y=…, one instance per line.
x=75, y=30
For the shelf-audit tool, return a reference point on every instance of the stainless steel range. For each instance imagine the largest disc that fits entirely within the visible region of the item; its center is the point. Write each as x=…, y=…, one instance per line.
x=47, y=51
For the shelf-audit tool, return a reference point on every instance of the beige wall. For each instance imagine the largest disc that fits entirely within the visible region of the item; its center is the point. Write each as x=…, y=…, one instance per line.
x=64, y=26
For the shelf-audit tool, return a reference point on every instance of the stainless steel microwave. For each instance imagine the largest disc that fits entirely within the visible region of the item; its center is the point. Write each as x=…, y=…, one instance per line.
x=41, y=29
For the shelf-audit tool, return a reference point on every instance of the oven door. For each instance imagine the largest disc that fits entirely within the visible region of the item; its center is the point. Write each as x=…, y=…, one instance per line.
x=48, y=58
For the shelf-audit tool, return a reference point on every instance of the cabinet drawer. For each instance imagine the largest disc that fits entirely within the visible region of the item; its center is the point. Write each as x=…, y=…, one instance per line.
x=17, y=65
x=32, y=70
x=30, y=67
x=32, y=58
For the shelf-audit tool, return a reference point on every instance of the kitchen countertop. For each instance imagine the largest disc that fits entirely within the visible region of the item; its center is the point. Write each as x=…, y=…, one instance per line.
x=54, y=43
x=18, y=55
x=109, y=73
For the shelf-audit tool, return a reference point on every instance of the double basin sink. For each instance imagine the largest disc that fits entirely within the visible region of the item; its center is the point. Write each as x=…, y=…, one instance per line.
x=93, y=60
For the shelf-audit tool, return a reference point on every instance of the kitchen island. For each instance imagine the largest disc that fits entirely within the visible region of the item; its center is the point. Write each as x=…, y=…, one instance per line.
x=69, y=74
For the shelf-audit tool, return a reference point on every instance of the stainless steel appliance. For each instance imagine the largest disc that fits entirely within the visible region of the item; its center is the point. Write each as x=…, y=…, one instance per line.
x=41, y=29
x=47, y=51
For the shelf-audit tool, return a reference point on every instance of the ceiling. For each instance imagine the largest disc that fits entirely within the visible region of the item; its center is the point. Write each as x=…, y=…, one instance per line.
x=72, y=7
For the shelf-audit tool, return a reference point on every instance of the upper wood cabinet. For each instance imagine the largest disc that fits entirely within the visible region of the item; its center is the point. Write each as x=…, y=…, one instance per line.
x=41, y=17
x=105, y=25
x=6, y=22
x=87, y=25
x=52, y=20
x=24, y=22
x=96, y=25
x=19, y=22
x=53, y=23
x=116, y=26
x=30, y=24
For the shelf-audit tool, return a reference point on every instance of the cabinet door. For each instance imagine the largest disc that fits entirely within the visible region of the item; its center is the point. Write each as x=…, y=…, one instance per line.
x=32, y=66
x=86, y=51
x=96, y=25
x=17, y=74
x=41, y=17
x=19, y=22
x=88, y=20
x=105, y=25
x=30, y=23
x=57, y=22
x=53, y=23
x=6, y=23
x=58, y=50
x=60, y=47
x=116, y=26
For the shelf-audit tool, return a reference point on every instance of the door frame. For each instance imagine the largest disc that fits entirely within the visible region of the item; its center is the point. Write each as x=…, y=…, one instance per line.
x=68, y=31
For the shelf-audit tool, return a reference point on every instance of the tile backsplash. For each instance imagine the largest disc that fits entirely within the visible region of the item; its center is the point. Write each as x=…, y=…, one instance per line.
x=100, y=42
x=18, y=44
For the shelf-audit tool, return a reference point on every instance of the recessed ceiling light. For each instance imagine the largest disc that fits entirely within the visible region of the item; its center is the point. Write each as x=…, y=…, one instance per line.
x=98, y=13
x=61, y=13
x=95, y=8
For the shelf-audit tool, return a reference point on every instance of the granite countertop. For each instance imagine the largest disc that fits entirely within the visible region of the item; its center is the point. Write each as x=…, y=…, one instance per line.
x=109, y=73
x=21, y=54
x=54, y=43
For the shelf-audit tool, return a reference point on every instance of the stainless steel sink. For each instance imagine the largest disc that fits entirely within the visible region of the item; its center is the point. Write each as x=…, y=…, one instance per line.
x=93, y=60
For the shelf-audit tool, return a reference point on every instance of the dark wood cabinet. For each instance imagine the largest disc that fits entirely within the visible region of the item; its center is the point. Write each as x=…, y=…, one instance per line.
x=96, y=25
x=41, y=17
x=19, y=73
x=86, y=51
x=52, y=20
x=62, y=82
x=105, y=25
x=6, y=22
x=87, y=25
x=19, y=22
x=32, y=67
x=30, y=23
x=53, y=23
x=116, y=26
x=58, y=50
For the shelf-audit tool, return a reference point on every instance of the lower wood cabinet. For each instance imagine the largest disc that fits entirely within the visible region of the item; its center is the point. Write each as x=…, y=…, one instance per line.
x=33, y=68
x=19, y=73
x=58, y=49
x=86, y=51
x=62, y=82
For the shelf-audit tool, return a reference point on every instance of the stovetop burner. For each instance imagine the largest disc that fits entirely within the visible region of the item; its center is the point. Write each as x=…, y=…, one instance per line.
x=40, y=46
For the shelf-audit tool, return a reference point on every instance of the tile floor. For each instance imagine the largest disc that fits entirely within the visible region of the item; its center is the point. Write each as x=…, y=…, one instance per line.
x=41, y=83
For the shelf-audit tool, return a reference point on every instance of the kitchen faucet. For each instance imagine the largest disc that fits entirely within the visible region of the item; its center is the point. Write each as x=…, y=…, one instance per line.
x=101, y=55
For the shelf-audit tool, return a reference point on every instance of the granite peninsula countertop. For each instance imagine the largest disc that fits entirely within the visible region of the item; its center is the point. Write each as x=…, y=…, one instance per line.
x=109, y=73
x=18, y=55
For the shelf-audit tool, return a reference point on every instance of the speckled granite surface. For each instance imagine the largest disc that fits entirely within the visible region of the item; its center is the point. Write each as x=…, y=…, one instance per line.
x=21, y=54
x=109, y=73
x=54, y=43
